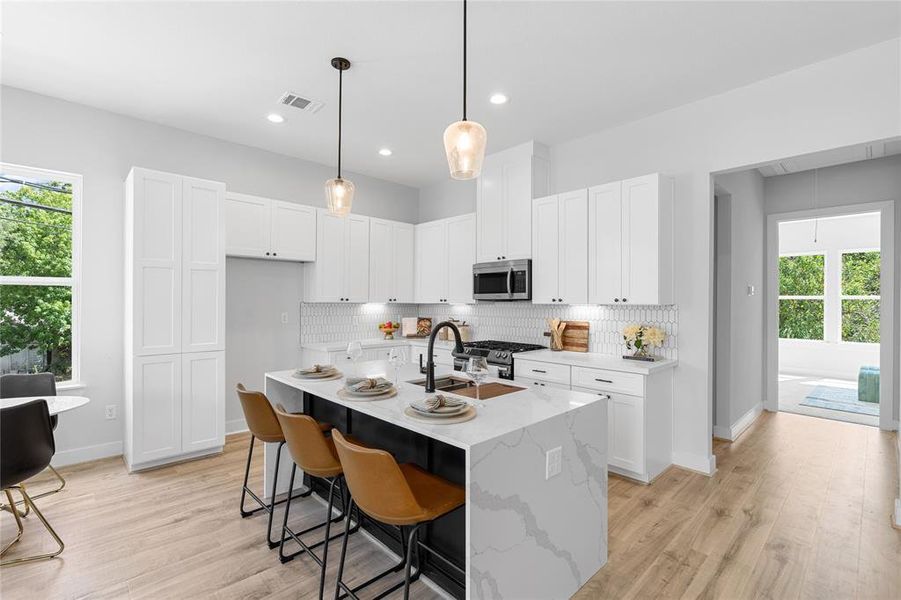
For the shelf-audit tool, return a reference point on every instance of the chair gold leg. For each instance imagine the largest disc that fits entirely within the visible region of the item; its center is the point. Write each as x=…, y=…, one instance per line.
x=59, y=488
x=34, y=508
x=19, y=525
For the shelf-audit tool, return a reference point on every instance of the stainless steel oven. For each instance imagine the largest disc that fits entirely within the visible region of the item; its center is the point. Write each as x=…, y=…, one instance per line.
x=502, y=280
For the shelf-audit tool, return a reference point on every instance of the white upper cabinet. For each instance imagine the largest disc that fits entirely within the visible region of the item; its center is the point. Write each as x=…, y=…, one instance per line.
x=509, y=181
x=203, y=265
x=560, y=249
x=631, y=241
x=341, y=271
x=263, y=228
x=391, y=251
x=445, y=253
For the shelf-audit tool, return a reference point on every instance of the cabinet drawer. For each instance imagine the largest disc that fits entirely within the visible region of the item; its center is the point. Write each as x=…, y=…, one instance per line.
x=609, y=381
x=542, y=371
x=534, y=383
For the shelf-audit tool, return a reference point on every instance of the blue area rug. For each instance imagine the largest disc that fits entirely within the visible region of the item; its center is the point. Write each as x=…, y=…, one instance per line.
x=843, y=399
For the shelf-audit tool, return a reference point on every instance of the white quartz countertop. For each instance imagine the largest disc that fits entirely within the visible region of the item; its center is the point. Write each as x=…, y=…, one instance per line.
x=596, y=361
x=496, y=416
x=368, y=343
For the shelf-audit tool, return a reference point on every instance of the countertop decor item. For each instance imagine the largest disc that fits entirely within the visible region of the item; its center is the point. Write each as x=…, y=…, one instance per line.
x=640, y=339
x=575, y=336
x=556, y=332
x=388, y=328
x=339, y=192
x=423, y=326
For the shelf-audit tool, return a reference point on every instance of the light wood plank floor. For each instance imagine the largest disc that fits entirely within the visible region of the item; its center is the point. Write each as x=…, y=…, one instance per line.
x=799, y=508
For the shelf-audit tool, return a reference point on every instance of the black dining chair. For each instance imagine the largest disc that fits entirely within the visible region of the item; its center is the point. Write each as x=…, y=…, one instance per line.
x=17, y=385
x=26, y=447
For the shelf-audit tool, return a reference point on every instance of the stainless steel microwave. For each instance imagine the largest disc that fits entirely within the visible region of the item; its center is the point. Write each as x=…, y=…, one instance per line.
x=502, y=280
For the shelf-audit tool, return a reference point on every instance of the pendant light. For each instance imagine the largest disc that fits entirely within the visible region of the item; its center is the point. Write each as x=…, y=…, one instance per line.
x=339, y=192
x=464, y=141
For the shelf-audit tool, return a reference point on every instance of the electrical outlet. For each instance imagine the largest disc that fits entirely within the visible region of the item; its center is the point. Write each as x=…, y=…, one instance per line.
x=554, y=462
x=285, y=318
x=752, y=290
x=110, y=411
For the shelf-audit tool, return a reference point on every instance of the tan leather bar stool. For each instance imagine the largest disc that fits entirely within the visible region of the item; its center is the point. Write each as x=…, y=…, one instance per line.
x=315, y=454
x=405, y=496
x=263, y=426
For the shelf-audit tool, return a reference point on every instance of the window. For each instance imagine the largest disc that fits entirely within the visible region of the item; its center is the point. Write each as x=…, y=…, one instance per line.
x=802, y=296
x=860, y=296
x=39, y=250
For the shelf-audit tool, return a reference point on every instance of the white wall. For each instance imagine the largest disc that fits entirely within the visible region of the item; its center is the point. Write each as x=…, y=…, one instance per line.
x=447, y=199
x=740, y=343
x=101, y=146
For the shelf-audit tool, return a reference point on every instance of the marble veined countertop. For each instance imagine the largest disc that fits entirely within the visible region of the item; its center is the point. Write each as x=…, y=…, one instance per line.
x=596, y=361
x=368, y=343
x=496, y=417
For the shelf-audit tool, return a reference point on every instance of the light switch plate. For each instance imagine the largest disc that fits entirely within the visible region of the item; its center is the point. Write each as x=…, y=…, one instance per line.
x=553, y=462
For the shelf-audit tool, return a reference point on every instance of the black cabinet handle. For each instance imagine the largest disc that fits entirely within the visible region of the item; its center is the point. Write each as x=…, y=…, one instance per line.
x=624, y=300
x=275, y=254
x=553, y=299
x=604, y=380
x=616, y=299
x=559, y=299
x=267, y=254
x=538, y=371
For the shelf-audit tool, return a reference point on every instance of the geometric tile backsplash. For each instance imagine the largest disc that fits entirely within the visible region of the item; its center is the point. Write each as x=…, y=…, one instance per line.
x=510, y=321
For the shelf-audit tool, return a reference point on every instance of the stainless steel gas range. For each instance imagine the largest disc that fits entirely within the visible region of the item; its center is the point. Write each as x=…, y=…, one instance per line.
x=499, y=354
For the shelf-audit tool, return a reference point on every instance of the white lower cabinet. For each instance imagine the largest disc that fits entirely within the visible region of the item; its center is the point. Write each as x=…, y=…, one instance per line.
x=175, y=408
x=536, y=383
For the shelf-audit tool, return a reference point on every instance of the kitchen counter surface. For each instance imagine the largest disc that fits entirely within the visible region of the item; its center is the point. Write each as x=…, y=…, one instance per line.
x=496, y=417
x=341, y=346
x=596, y=361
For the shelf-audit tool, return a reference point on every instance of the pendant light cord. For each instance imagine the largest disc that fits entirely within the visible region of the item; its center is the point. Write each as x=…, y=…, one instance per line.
x=464, y=60
x=340, y=110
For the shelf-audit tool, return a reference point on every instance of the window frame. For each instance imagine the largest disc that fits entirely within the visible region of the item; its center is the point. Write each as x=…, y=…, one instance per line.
x=74, y=281
x=842, y=296
x=791, y=297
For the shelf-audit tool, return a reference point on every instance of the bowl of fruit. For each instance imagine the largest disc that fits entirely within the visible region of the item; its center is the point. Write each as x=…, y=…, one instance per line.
x=388, y=328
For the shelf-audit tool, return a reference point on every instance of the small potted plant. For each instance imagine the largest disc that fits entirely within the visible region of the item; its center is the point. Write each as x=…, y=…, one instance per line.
x=640, y=339
x=388, y=328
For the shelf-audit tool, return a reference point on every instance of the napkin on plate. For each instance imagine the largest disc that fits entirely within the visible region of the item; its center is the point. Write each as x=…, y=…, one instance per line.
x=316, y=369
x=433, y=403
x=368, y=384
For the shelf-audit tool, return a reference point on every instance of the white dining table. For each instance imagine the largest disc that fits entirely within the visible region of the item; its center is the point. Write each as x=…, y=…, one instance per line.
x=55, y=404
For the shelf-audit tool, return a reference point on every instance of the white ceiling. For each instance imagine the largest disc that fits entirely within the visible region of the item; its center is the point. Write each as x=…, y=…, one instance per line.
x=570, y=68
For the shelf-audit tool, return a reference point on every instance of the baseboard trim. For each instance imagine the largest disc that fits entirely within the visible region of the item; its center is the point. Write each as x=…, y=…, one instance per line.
x=172, y=460
x=74, y=456
x=235, y=426
x=730, y=434
x=694, y=462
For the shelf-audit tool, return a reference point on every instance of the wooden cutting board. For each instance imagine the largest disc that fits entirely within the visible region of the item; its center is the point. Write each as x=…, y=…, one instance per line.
x=489, y=390
x=575, y=336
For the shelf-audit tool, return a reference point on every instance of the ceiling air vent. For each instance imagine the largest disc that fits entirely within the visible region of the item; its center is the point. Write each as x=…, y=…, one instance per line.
x=297, y=101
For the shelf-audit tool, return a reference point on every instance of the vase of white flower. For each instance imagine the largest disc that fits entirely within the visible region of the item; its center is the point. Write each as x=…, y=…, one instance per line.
x=640, y=339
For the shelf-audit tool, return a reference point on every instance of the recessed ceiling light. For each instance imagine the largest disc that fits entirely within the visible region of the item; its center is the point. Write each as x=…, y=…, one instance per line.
x=498, y=98
x=275, y=118
x=385, y=151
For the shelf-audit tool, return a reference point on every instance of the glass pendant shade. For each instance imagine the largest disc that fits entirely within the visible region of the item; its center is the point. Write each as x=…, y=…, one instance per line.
x=464, y=143
x=340, y=195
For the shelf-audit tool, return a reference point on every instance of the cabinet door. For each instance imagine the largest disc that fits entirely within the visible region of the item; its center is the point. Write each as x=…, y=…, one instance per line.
x=538, y=385
x=490, y=228
x=328, y=271
x=431, y=262
x=203, y=266
x=382, y=264
x=247, y=221
x=156, y=417
x=356, y=281
x=641, y=261
x=605, y=257
x=546, y=250
x=518, y=210
x=202, y=401
x=404, y=255
x=157, y=264
x=461, y=250
x=625, y=431
x=293, y=231
x=572, y=279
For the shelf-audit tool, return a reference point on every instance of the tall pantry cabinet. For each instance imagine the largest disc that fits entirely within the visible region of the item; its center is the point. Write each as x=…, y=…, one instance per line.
x=174, y=318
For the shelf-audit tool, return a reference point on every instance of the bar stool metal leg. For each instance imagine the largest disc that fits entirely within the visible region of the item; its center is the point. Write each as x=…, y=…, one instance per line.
x=34, y=508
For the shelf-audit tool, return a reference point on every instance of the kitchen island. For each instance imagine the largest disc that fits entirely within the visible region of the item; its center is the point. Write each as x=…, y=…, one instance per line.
x=526, y=532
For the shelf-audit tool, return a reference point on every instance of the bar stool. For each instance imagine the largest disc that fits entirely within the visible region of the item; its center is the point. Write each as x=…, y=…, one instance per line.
x=315, y=454
x=263, y=426
x=401, y=495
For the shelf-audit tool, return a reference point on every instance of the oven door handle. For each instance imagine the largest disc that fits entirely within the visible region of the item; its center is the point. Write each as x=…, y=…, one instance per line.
x=510, y=281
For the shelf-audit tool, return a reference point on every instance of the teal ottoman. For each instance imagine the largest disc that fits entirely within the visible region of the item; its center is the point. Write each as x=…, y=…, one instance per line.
x=868, y=385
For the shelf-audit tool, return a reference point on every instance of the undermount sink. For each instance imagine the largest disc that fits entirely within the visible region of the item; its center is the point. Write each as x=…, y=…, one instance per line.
x=447, y=383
